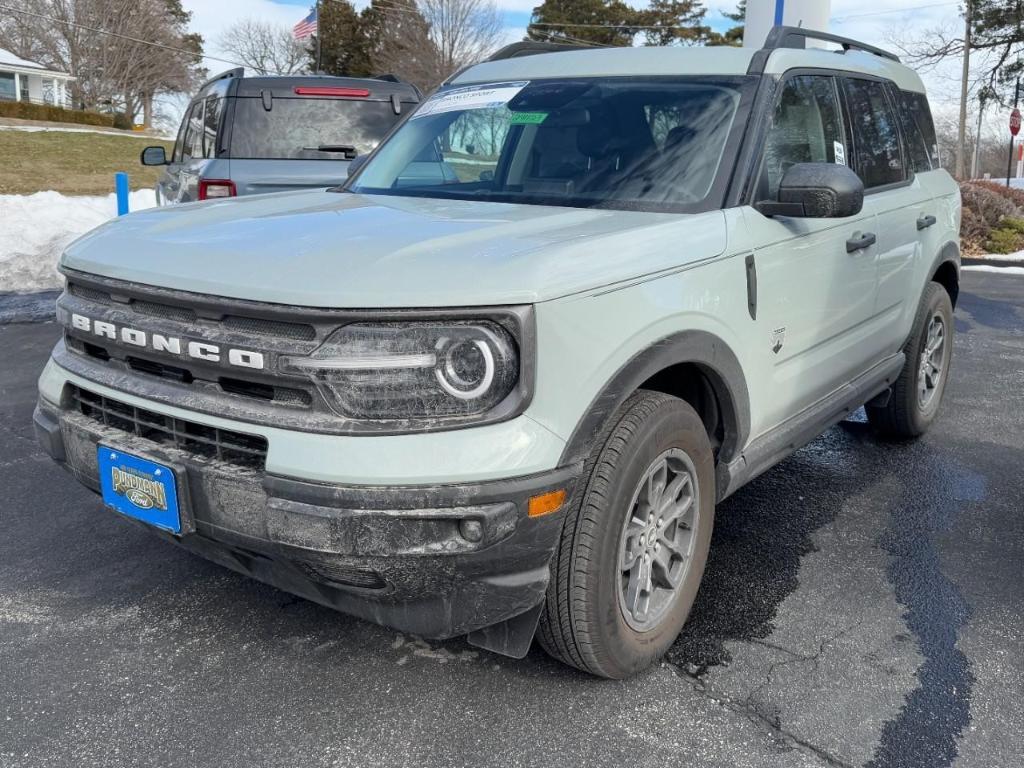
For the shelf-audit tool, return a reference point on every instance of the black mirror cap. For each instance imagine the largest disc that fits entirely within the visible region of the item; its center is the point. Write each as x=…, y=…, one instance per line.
x=153, y=156
x=817, y=191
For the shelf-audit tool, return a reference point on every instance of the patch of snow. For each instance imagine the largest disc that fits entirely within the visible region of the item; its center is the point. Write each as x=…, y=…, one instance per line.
x=47, y=129
x=996, y=270
x=37, y=228
x=1018, y=256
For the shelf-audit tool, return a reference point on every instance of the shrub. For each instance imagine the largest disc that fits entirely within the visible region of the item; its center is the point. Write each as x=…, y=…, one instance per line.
x=25, y=110
x=988, y=209
x=1007, y=238
x=122, y=121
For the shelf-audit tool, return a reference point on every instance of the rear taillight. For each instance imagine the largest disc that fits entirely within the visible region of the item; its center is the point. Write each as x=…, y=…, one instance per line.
x=211, y=189
x=321, y=90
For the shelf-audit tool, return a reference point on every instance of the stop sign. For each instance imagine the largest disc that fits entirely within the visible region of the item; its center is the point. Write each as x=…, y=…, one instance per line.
x=1015, y=121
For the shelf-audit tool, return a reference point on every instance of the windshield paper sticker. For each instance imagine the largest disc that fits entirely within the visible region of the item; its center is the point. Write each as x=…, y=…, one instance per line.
x=472, y=97
x=528, y=118
x=840, y=152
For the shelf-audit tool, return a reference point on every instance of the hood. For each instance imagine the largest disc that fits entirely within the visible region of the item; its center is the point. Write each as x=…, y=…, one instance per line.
x=329, y=249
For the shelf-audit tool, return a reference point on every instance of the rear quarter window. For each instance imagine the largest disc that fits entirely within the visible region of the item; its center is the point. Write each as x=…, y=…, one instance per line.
x=296, y=128
x=920, y=130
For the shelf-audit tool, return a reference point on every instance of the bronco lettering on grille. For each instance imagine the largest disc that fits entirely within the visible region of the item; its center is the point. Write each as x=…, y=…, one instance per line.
x=197, y=350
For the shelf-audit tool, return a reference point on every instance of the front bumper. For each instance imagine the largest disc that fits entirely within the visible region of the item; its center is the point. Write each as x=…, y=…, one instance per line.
x=434, y=560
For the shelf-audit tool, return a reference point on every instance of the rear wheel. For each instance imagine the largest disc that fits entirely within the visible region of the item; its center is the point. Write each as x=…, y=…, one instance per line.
x=915, y=398
x=632, y=552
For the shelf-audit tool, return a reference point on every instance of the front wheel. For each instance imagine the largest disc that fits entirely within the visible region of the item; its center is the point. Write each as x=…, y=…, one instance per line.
x=914, y=401
x=632, y=552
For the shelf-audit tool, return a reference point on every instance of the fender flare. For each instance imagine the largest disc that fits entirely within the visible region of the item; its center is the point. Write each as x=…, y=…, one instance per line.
x=700, y=348
x=949, y=253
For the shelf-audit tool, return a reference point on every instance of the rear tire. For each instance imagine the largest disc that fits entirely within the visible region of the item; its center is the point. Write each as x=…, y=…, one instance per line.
x=916, y=395
x=647, y=490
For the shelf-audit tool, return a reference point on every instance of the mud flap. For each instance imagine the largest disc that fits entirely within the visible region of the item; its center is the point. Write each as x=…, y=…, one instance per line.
x=511, y=637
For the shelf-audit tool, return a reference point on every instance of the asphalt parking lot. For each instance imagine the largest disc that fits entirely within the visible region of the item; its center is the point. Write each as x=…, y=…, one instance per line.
x=864, y=605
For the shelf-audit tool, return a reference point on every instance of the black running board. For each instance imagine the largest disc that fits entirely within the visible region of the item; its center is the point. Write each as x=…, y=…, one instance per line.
x=773, y=446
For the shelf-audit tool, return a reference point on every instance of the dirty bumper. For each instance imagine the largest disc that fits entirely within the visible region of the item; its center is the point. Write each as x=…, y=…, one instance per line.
x=437, y=561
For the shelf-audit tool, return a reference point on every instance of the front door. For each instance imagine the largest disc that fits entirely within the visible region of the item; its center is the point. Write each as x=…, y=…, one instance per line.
x=816, y=278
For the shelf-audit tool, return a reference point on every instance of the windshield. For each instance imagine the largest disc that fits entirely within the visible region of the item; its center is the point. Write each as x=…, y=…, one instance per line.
x=312, y=129
x=631, y=143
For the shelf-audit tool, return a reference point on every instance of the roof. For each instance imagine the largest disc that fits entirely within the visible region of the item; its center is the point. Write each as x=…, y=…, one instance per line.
x=9, y=62
x=671, y=60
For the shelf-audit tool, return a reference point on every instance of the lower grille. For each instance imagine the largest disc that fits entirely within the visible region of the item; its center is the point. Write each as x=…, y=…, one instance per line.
x=349, y=576
x=196, y=439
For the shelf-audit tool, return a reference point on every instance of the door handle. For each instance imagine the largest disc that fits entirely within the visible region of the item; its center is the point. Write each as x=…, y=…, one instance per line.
x=924, y=221
x=860, y=241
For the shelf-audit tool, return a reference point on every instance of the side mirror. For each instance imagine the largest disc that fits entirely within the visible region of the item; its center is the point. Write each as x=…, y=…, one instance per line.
x=153, y=156
x=816, y=191
x=356, y=163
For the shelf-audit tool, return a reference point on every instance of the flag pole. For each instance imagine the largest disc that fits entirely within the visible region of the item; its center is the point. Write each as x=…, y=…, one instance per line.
x=318, y=36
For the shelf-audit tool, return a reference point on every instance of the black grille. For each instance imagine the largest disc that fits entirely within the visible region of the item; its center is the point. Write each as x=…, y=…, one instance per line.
x=346, y=575
x=197, y=439
x=254, y=325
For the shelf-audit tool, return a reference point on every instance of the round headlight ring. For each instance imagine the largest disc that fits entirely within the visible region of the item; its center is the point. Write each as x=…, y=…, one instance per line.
x=449, y=378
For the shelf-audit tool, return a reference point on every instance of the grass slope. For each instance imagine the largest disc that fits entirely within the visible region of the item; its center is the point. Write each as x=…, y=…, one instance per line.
x=71, y=163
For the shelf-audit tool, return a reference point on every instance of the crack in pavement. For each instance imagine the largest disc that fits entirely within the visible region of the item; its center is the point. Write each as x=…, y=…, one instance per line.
x=749, y=709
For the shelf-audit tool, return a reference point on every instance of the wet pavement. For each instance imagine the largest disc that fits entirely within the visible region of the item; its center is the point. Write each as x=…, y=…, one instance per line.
x=863, y=605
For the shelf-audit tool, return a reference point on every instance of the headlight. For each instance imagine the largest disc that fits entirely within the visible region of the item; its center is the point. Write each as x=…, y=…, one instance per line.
x=408, y=371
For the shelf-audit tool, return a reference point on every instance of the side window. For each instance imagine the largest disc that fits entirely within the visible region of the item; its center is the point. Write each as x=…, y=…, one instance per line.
x=915, y=105
x=878, y=157
x=806, y=128
x=918, y=156
x=211, y=123
x=193, y=144
x=179, y=143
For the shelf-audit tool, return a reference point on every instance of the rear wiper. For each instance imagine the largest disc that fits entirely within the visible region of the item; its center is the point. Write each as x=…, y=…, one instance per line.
x=347, y=149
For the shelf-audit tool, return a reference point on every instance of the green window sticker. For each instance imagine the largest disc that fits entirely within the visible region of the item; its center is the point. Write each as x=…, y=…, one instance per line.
x=528, y=118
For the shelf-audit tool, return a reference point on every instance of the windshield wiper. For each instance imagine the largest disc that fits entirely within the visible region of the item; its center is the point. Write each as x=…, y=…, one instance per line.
x=347, y=149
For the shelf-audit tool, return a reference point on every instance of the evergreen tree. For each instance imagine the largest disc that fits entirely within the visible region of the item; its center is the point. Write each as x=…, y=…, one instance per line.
x=344, y=43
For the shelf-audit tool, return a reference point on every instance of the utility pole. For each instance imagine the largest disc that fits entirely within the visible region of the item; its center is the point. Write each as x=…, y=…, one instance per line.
x=961, y=139
x=1013, y=133
x=319, y=34
x=977, y=136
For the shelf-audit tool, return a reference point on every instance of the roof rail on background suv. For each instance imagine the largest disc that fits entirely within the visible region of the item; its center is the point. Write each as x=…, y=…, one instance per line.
x=797, y=37
x=532, y=47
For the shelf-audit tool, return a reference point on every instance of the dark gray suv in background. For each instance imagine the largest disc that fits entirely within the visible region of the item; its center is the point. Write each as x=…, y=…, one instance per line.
x=249, y=135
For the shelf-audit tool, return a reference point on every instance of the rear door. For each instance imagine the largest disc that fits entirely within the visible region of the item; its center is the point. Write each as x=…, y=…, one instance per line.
x=306, y=141
x=815, y=288
x=895, y=195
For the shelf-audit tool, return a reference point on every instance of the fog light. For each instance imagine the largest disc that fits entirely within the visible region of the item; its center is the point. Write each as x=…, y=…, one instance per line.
x=471, y=530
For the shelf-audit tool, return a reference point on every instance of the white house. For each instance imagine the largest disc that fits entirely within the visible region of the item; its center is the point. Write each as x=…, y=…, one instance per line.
x=22, y=80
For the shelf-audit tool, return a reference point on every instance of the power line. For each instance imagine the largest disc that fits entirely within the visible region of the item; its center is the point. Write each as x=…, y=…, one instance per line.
x=119, y=35
x=841, y=19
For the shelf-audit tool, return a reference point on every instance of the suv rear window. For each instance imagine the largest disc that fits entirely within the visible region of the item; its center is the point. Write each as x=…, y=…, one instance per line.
x=295, y=128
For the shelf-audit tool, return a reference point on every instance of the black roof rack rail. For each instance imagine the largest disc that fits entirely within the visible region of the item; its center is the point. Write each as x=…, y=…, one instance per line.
x=236, y=72
x=532, y=47
x=797, y=37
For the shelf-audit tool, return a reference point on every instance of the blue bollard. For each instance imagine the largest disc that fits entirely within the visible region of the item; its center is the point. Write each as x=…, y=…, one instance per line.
x=121, y=188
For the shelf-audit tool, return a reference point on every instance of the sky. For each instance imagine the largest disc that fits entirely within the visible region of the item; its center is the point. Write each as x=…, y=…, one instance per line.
x=879, y=22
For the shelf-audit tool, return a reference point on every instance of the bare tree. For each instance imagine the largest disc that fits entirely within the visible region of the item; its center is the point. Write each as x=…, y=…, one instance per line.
x=464, y=31
x=265, y=48
x=142, y=48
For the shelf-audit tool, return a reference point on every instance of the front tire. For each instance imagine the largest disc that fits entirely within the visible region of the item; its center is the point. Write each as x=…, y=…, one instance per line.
x=633, y=549
x=915, y=398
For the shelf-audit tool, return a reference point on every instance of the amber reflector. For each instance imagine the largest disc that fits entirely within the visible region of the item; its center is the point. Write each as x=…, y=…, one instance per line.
x=546, y=503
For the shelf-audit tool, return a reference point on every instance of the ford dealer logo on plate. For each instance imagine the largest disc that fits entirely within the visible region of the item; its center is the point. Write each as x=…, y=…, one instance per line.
x=139, y=488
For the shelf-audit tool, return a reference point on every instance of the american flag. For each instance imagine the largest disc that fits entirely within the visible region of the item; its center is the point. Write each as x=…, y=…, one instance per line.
x=306, y=27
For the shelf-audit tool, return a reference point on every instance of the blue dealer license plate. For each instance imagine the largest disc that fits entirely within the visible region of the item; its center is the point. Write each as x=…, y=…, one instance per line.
x=139, y=488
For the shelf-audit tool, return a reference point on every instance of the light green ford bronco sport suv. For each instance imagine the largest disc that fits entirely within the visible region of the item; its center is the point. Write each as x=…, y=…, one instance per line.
x=502, y=399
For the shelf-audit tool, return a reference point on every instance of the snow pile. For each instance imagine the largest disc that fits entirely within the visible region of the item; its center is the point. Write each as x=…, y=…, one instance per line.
x=62, y=129
x=35, y=229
